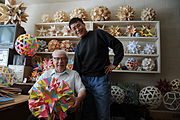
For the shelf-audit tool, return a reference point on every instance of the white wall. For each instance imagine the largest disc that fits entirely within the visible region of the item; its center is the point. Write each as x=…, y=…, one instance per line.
x=168, y=13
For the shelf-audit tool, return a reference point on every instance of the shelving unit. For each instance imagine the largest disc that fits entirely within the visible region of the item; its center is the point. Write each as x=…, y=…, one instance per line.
x=125, y=39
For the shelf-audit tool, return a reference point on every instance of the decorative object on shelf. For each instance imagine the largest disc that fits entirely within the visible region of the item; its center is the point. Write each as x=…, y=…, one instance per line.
x=125, y=13
x=175, y=85
x=80, y=13
x=70, y=63
x=100, y=13
x=46, y=18
x=150, y=96
x=147, y=31
x=53, y=31
x=51, y=99
x=115, y=30
x=60, y=16
x=148, y=14
x=66, y=45
x=163, y=86
x=148, y=64
x=119, y=67
x=133, y=47
x=7, y=76
x=66, y=31
x=53, y=45
x=130, y=31
x=149, y=49
x=42, y=46
x=117, y=94
x=171, y=100
x=26, y=44
x=12, y=13
x=131, y=64
x=42, y=31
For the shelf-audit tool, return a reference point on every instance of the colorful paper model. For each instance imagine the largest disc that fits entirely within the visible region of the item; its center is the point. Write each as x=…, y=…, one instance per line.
x=26, y=44
x=51, y=99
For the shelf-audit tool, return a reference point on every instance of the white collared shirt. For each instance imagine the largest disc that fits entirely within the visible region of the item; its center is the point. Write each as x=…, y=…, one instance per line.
x=71, y=77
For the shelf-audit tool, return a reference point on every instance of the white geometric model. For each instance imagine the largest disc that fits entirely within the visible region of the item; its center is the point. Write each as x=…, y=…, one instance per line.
x=150, y=96
x=125, y=13
x=100, y=13
x=133, y=47
x=60, y=16
x=46, y=18
x=171, y=100
x=175, y=85
x=148, y=64
x=80, y=13
x=42, y=31
x=148, y=14
x=117, y=94
x=149, y=49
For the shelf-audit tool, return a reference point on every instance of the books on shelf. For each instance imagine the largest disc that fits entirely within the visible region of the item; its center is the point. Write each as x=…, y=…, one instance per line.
x=5, y=100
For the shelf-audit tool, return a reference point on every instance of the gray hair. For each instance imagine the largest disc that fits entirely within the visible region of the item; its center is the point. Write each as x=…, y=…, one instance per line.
x=60, y=51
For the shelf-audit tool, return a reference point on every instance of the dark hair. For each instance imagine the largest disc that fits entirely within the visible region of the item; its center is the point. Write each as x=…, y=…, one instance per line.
x=74, y=20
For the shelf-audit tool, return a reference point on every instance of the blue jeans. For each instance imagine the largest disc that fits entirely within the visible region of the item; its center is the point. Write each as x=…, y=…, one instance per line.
x=97, y=101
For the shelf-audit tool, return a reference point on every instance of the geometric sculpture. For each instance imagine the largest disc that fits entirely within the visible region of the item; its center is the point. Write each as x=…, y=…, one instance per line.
x=150, y=96
x=80, y=13
x=100, y=13
x=175, y=85
x=46, y=18
x=149, y=49
x=60, y=16
x=133, y=47
x=125, y=13
x=131, y=64
x=171, y=100
x=148, y=64
x=26, y=44
x=7, y=76
x=53, y=45
x=148, y=14
x=117, y=94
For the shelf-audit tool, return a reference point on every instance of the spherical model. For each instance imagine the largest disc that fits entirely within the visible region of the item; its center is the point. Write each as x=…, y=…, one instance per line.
x=26, y=44
x=60, y=16
x=133, y=47
x=125, y=13
x=45, y=18
x=131, y=64
x=53, y=45
x=66, y=45
x=42, y=46
x=171, y=100
x=115, y=30
x=100, y=13
x=175, y=85
x=148, y=64
x=149, y=49
x=7, y=76
x=150, y=96
x=148, y=14
x=80, y=13
x=117, y=94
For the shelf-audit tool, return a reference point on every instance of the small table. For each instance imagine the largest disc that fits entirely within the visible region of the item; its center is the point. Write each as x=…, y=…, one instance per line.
x=17, y=110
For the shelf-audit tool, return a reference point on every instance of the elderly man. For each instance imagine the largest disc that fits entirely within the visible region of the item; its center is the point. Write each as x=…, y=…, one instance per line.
x=71, y=77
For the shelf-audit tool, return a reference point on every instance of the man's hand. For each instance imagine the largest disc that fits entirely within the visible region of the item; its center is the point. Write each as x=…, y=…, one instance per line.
x=76, y=105
x=109, y=68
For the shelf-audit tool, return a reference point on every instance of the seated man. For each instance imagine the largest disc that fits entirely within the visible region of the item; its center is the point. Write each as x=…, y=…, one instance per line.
x=71, y=77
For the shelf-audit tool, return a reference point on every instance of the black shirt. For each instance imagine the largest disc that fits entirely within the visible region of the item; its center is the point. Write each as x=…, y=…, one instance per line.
x=92, y=54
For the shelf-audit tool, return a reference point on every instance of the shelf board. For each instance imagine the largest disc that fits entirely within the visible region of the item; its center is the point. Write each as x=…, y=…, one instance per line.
x=138, y=55
x=128, y=71
x=57, y=37
x=69, y=53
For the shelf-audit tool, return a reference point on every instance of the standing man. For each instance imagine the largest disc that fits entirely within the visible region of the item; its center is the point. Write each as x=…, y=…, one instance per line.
x=92, y=63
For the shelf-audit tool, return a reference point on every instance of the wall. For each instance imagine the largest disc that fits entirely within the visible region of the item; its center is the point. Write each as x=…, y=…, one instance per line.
x=168, y=13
